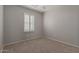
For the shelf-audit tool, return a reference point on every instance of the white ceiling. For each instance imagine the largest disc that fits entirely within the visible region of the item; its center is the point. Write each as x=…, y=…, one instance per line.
x=44, y=8
x=40, y=8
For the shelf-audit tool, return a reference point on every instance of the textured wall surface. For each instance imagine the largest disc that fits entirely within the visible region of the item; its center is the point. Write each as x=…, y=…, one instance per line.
x=1, y=26
x=61, y=23
x=14, y=23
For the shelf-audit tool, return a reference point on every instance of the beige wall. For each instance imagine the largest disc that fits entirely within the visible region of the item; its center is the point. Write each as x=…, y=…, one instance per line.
x=14, y=23
x=1, y=26
x=62, y=23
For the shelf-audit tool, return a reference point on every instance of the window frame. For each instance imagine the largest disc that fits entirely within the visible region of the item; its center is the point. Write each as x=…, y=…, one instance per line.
x=30, y=24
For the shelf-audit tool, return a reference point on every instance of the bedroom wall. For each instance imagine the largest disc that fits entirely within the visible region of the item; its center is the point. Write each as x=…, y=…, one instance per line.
x=1, y=27
x=62, y=23
x=14, y=23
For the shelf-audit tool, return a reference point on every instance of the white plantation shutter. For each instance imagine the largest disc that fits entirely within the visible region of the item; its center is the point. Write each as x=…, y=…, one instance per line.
x=28, y=23
x=31, y=23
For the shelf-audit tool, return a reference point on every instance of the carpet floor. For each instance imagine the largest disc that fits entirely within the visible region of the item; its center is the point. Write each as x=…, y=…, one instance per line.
x=40, y=46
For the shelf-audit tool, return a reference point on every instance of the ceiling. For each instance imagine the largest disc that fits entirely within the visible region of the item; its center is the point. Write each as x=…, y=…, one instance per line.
x=40, y=8
x=45, y=8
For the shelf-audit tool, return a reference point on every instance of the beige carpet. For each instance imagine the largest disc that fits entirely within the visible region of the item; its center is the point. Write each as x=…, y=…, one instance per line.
x=40, y=46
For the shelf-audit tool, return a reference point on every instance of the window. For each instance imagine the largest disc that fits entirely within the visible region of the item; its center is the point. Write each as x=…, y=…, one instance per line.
x=31, y=23
x=28, y=23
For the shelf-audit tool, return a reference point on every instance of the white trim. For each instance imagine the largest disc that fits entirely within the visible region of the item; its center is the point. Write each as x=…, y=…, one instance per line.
x=70, y=44
x=20, y=41
x=45, y=38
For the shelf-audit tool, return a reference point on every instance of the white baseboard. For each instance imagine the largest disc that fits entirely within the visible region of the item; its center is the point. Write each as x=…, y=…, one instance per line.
x=20, y=41
x=70, y=44
x=43, y=37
